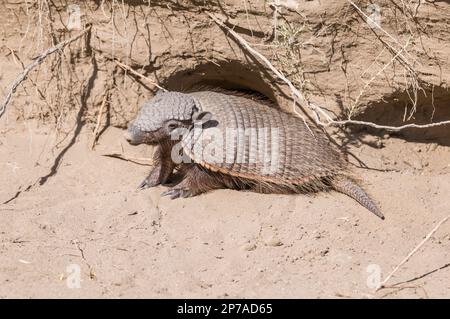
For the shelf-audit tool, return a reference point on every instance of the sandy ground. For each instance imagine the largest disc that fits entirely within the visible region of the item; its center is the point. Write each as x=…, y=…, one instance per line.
x=88, y=215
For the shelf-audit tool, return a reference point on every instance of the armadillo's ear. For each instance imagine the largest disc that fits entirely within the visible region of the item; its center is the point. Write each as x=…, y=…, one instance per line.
x=204, y=120
x=200, y=118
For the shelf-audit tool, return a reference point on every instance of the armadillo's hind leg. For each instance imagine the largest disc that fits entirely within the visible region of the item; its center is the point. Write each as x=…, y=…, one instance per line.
x=348, y=187
x=195, y=182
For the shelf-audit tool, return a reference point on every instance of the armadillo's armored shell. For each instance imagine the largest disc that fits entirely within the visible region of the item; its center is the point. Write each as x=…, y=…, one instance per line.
x=255, y=141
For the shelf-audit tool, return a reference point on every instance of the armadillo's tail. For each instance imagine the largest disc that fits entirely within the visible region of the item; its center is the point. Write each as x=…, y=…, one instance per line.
x=348, y=187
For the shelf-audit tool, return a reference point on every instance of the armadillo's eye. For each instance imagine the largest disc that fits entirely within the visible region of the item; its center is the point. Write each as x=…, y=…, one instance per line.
x=172, y=126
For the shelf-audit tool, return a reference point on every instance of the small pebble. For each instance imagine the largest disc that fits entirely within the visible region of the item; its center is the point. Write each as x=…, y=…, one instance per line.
x=248, y=247
x=274, y=242
x=325, y=252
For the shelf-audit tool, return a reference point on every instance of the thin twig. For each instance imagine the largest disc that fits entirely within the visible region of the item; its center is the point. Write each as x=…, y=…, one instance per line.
x=385, y=127
x=316, y=110
x=147, y=161
x=296, y=93
x=355, y=104
x=128, y=68
x=383, y=284
x=419, y=277
x=23, y=75
x=99, y=117
x=374, y=23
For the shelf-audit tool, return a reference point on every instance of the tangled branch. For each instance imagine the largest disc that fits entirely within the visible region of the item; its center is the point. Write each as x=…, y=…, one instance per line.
x=24, y=74
x=317, y=111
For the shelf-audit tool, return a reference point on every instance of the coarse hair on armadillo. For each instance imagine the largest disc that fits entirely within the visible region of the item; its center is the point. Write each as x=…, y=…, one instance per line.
x=344, y=184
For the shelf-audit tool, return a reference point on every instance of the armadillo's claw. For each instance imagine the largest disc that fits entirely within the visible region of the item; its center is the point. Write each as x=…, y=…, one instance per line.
x=172, y=193
x=143, y=185
x=148, y=182
x=177, y=193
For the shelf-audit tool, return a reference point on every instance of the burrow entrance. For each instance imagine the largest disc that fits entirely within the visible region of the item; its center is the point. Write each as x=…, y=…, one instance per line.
x=432, y=106
x=231, y=75
x=433, y=103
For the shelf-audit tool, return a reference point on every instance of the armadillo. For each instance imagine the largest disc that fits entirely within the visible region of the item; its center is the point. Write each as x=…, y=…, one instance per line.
x=217, y=139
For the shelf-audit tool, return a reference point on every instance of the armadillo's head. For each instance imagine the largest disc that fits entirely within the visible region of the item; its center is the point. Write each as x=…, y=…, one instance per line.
x=160, y=116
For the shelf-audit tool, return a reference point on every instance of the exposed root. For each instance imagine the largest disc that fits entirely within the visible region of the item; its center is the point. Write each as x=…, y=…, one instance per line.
x=386, y=127
x=296, y=93
x=99, y=118
x=128, y=68
x=317, y=111
x=23, y=75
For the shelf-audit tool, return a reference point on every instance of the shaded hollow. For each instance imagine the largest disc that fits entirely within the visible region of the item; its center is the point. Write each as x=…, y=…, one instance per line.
x=227, y=75
x=433, y=106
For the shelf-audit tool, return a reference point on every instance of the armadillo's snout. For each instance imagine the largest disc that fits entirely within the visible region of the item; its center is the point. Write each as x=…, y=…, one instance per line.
x=127, y=135
x=131, y=136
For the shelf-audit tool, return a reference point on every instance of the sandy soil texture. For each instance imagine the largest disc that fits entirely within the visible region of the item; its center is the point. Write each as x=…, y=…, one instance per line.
x=127, y=243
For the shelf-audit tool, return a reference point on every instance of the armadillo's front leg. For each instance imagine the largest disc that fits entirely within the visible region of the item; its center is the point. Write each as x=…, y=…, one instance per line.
x=162, y=170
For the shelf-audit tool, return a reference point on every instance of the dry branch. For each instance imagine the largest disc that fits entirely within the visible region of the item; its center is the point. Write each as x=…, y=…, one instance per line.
x=23, y=75
x=383, y=284
x=385, y=127
x=140, y=161
x=99, y=118
x=296, y=93
x=128, y=68
x=303, y=101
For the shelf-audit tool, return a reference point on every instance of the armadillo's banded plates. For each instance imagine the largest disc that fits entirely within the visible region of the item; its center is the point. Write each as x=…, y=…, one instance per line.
x=255, y=141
